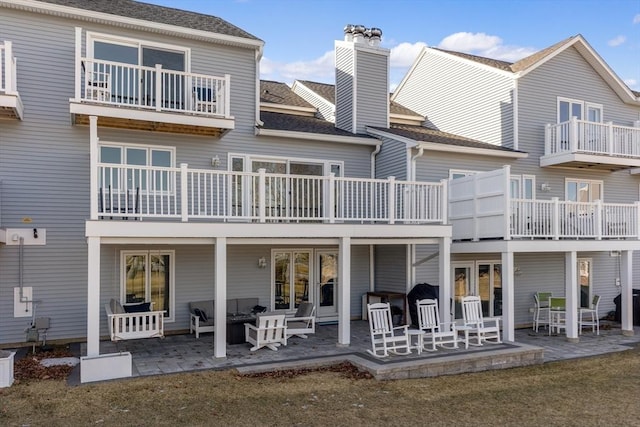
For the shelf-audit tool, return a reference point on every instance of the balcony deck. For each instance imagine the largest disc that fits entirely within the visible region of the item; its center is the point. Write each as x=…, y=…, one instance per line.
x=198, y=195
x=10, y=103
x=584, y=144
x=151, y=98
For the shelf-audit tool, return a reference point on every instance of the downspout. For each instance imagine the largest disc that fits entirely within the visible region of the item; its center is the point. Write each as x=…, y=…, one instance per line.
x=411, y=176
x=515, y=114
x=373, y=161
x=412, y=248
x=258, y=58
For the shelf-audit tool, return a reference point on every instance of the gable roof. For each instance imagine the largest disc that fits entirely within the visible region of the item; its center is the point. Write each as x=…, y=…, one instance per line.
x=151, y=13
x=443, y=141
x=531, y=62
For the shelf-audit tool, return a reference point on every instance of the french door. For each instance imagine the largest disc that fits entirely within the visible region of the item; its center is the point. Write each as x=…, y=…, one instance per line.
x=479, y=278
x=306, y=275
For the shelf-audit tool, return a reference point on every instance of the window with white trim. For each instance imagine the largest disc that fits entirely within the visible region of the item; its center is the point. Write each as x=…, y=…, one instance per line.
x=568, y=108
x=583, y=190
x=282, y=194
x=132, y=173
x=523, y=187
x=148, y=276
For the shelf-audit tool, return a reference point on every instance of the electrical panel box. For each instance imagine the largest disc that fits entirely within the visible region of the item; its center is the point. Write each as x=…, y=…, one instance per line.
x=30, y=236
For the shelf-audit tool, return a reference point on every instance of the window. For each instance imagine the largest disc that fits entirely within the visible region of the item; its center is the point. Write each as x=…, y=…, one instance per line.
x=583, y=190
x=581, y=110
x=130, y=64
x=523, y=187
x=458, y=173
x=297, y=198
x=136, y=177
x=147, y=276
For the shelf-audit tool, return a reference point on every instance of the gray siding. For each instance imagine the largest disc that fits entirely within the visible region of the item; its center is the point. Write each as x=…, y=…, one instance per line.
x=345, y=69
x=372, y=94
x=462, y=98
x=390, y=270
x=392, y=160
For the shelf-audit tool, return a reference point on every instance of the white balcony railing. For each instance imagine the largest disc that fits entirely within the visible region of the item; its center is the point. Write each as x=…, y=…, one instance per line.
x=8, y=83
x=588, y=137
x=152, y=88
x=125, y=191
x=557, y=218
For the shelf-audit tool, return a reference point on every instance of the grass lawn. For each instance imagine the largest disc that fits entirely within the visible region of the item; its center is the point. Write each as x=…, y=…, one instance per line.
x=602, y=390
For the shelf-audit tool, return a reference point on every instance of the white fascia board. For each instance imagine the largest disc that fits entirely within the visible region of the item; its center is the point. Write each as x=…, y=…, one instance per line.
x=410, y=143
x=433, y=146
x=106, y=18
x=318, y=137
x=542, y=246
x=168, y=231
x=407, y=76
x=596, y=62
x=406, y=117
x=314, y=93
x=289, y=109
x=363, y=47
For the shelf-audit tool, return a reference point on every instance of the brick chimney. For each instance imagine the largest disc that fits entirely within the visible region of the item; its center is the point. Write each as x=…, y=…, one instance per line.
x=362, y=80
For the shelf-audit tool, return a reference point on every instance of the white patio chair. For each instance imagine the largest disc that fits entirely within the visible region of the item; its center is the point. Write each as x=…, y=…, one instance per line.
x=591, y=314
x=541, y=310
x=270, y=332
x=302, y=322
x=486, y=329
x=385, y=338
x=436, y=332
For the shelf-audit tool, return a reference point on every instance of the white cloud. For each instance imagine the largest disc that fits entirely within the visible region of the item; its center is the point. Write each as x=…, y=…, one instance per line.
x=636, y=19
x=617, y=41
x=484, y=45
x=405, y=53
x=632, y=83
x=469, y=42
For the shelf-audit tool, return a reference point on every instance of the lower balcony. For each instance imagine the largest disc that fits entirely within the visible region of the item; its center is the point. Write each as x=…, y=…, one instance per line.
x=192, y=195
x=593, y=145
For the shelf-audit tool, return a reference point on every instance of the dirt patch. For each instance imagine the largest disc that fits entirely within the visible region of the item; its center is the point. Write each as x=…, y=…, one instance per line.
x=346, y=369
x=29, y=368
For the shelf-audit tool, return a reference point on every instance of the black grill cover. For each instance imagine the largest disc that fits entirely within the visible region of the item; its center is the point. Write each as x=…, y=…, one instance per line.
x=420, y=291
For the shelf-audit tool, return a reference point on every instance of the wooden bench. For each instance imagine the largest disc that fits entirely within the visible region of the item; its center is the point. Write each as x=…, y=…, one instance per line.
x=133, y=325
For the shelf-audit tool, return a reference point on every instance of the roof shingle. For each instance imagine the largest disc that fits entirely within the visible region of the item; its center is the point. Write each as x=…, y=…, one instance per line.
x=158, y=14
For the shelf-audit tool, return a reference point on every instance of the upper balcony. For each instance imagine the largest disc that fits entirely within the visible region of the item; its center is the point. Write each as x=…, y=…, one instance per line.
x=481, y=208
x=187, y=195
x=10, y=102
x=584, y=144
x=123, y=94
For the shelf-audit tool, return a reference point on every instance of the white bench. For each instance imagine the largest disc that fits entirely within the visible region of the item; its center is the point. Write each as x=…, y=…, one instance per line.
x=131, y=326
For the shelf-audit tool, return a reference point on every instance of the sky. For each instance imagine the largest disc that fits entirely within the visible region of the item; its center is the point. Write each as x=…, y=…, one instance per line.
x=299, y=35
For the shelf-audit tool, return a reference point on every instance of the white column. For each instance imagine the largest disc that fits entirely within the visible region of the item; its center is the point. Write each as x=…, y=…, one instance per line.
x=626, y=293
x=344, y=296
x=571, y=295
x=93, y=167
x=508, y=292
x=93, y=296
x=444, y=278
x=220, y=298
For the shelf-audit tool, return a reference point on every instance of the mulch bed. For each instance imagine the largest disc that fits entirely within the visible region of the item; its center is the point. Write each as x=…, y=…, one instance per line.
x=346, y=369
x=29, y=367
